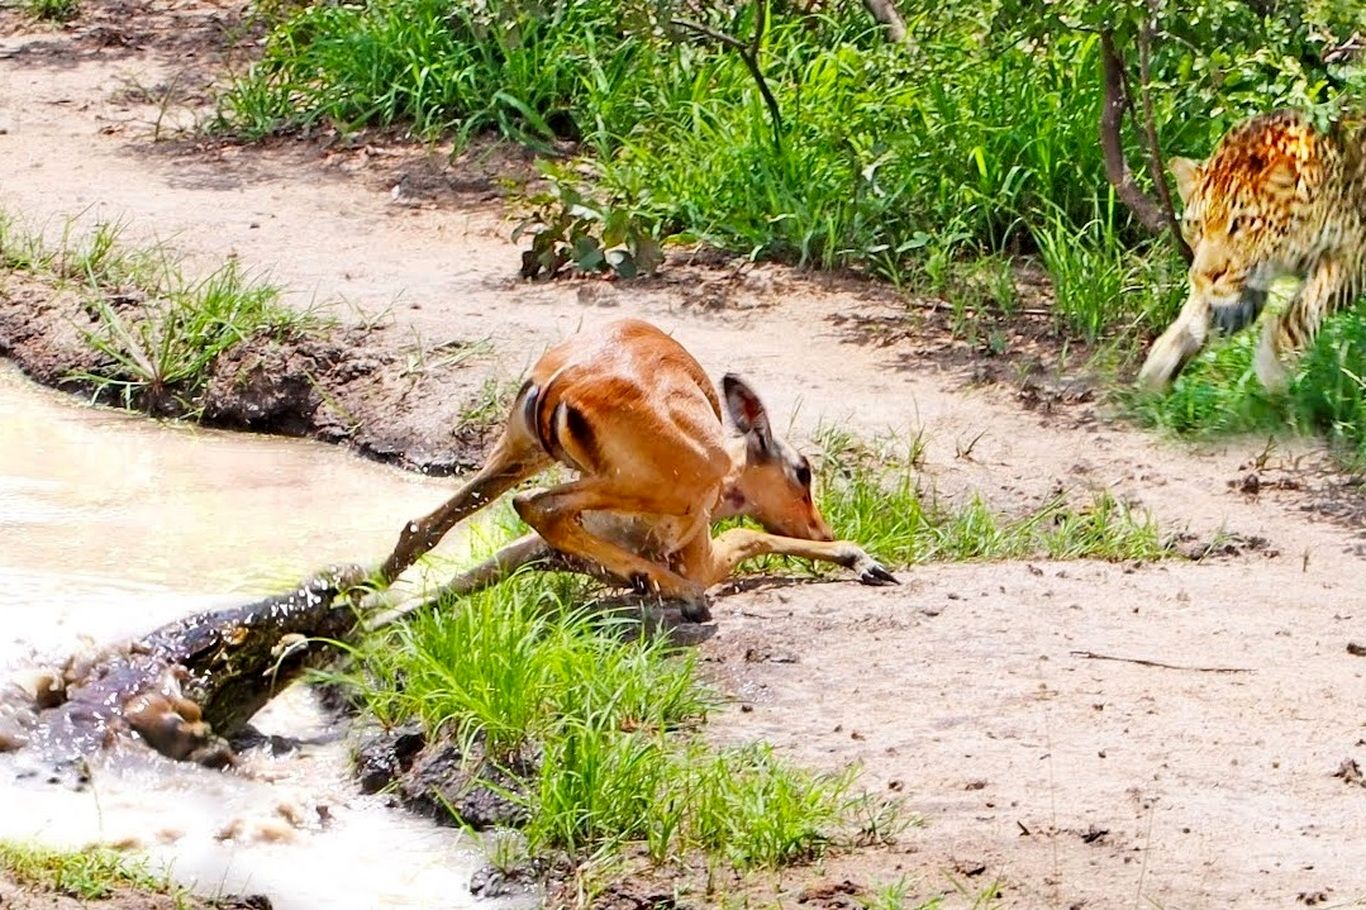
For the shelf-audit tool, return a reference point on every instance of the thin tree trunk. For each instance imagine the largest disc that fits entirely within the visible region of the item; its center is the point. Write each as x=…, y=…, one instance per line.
x=1148, y=212
x=885, y=12
x=1156, y=166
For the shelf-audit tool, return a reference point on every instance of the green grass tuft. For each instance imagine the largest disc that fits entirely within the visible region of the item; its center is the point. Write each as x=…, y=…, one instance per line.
x=873, y=497
x=52, y=10
x=758, y=812
x=90, y=874
x=157, y=332
x=159, y=356
x=610, y=708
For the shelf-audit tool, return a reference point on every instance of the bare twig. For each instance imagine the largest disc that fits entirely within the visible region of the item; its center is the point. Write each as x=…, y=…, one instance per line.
x=1111, y=119
x=1092, y=655
x=1156, y=167
x=885, y=12
x=749, y=53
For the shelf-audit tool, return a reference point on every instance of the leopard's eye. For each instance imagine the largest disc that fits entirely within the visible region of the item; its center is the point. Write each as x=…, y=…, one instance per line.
x=1236, y=224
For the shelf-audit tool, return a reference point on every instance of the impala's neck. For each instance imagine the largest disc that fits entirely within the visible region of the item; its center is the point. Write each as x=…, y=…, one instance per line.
x=732, y=501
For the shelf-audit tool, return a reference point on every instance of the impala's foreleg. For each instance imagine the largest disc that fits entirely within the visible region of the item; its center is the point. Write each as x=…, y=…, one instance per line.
x=729, y=549
x=516, y=456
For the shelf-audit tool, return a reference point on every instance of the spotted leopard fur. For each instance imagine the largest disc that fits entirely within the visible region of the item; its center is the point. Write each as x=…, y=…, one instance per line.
x=1278, y=197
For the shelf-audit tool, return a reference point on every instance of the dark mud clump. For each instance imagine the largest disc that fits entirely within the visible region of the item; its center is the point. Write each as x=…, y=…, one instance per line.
x=441, y=780
x=277, y=385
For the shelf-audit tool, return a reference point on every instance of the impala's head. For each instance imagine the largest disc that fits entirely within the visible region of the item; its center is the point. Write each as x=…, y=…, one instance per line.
x=772, y=481
x=1244, y=214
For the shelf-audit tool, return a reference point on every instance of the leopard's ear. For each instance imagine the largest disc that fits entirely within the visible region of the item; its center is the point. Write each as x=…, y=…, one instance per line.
x=1187, y=174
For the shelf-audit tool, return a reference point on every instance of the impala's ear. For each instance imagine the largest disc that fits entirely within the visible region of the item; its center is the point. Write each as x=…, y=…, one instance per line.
x=1187, y=174
x=748, y=413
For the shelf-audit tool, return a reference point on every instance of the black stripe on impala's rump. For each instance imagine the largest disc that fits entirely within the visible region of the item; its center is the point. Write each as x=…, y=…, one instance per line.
x=539, y=423
x=547, y=419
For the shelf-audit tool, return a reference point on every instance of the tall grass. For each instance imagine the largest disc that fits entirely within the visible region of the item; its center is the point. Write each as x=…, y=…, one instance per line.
x=972, y=129
x=610, y=709
x=1103, y=285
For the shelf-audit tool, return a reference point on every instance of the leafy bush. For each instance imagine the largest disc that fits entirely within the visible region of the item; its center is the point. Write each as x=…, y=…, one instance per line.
x=571, y=232
x=983, y=125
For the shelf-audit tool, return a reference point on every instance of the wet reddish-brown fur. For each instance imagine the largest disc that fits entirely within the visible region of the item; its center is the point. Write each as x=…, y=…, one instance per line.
x=637, y=418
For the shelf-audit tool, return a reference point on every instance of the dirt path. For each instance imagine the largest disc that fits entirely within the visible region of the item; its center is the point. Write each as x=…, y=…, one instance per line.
x=1071, y=781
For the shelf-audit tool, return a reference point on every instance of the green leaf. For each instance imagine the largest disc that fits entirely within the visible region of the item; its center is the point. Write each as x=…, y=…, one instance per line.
x=623, y=263
x=587, y=254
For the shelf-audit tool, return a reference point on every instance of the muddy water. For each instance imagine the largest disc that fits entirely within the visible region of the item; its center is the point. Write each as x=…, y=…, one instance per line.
x=110, y=525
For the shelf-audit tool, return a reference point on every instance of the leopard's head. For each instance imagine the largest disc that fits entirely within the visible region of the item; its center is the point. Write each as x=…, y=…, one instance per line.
x=1245, y=211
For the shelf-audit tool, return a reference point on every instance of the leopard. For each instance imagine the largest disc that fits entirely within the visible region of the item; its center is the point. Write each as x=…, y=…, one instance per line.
x=1278, y=197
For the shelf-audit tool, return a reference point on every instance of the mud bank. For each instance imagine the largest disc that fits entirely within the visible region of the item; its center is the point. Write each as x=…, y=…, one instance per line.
x=340, y=384
x=17, y=896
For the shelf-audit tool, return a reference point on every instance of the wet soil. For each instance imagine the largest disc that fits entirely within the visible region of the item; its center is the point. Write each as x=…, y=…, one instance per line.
x=1066, y=731
x=15, y=896
x=442, y=780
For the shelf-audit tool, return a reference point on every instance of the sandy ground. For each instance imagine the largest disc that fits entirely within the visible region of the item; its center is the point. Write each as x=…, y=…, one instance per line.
x=1067, y=780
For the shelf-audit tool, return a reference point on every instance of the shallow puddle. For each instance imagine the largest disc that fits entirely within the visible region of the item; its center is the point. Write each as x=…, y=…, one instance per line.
x=111, y=524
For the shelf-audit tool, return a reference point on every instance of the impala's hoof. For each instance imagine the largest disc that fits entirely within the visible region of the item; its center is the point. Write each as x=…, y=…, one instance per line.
x=874, y=574
x=868, y=569
x=696, y=609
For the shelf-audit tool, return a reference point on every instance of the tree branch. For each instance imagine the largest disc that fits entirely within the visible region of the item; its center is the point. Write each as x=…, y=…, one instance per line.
x=1142, y=662
x=885, y=12
x=1111, y=119
x=1157, y=169
x=749, y=53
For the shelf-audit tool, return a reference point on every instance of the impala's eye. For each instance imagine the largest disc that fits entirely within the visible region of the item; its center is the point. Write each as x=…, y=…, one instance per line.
x=804, y=474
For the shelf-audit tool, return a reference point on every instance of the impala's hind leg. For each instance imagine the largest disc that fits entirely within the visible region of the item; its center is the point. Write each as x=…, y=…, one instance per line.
x=527, y=550
x=557, y=515
x=516, y=456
